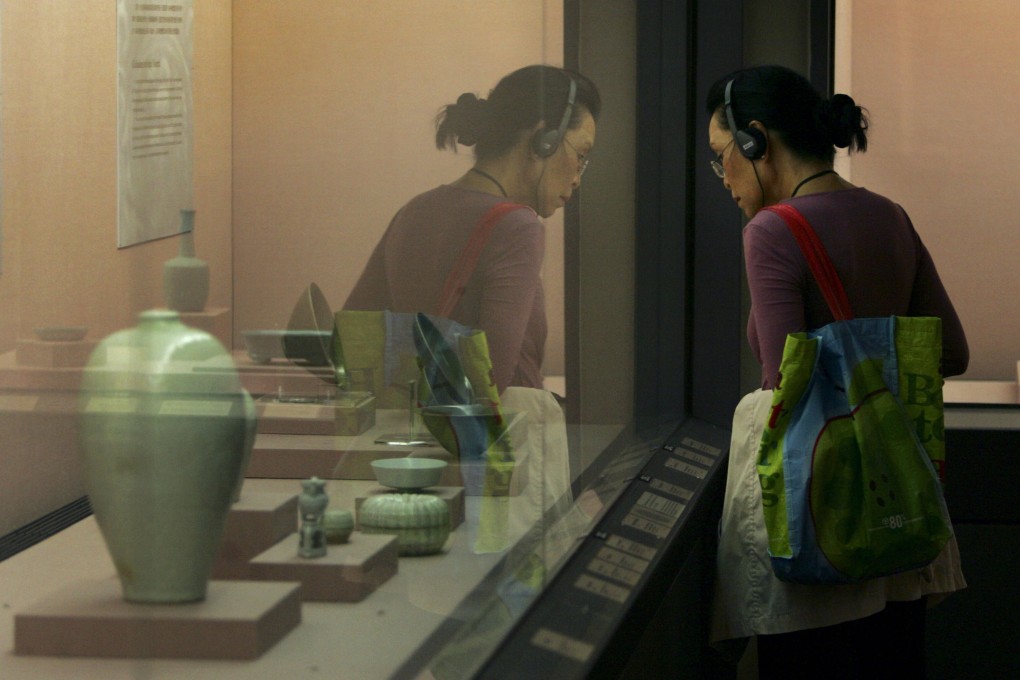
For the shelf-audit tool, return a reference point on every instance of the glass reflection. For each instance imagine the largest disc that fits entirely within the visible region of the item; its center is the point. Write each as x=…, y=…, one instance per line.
x=305, y=147
x=472, y=250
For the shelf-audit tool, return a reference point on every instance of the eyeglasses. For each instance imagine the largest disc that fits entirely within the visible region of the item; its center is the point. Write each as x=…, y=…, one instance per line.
x=582, y=160
x=717, y=165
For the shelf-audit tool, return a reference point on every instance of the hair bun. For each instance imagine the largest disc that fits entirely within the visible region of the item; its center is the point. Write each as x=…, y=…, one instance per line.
x=843, y=119
x=467, y=118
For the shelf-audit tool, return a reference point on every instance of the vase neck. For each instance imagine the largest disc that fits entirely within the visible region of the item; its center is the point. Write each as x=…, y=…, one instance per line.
x=187, y=247
x=157, y=317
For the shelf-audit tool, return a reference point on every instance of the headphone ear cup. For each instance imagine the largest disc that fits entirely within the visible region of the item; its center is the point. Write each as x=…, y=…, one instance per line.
x=544, y=142
x=751, y=142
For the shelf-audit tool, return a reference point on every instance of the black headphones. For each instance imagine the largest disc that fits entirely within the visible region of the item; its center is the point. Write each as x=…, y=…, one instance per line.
x=545, y=141
x=751, y=141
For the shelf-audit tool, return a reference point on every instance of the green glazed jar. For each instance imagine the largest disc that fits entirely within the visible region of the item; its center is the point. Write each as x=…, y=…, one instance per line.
x=338, y=525
x=420, y=521
x=166, y=432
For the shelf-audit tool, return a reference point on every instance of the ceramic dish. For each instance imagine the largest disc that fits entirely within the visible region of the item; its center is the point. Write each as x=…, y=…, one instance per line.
x=465, y=430
x=440, y=365
x=298, y=346
x=61, y=333
x=408, y=474
x=312, y=314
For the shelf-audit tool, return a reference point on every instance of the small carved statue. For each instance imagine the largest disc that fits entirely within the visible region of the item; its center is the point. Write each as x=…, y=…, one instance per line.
x=312, y=501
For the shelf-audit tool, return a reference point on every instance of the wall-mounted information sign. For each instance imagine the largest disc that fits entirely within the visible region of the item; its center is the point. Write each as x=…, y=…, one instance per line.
x=154, y=118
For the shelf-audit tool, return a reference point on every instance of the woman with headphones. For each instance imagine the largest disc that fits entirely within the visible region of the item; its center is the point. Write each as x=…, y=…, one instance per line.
x=531, y=138
x=774, y=139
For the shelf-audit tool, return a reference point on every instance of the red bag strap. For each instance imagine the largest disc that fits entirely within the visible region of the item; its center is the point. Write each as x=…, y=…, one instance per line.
x=818, y=260
x=465, y=265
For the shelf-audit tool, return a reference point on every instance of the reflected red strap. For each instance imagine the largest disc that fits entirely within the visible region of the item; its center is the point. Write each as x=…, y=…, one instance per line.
x=464, y=267
x=818, y=260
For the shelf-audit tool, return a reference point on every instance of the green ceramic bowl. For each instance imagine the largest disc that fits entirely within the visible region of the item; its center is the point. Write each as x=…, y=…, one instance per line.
x=408, y=473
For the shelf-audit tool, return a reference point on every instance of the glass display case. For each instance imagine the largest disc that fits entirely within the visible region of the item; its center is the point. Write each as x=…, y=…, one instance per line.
x=293, y=133
x=227, y=160
x=459, y=613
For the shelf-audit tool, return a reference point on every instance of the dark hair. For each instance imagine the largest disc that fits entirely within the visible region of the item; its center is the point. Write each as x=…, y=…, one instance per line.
x=518, y=102
x=788, y=105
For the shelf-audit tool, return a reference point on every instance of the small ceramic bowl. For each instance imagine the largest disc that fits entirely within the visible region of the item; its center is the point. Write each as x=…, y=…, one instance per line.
x=61, y=333
x=408, y=473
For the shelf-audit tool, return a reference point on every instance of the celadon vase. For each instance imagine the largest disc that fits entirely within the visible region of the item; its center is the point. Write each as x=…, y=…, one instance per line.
x=166, y=432
x=186, y=277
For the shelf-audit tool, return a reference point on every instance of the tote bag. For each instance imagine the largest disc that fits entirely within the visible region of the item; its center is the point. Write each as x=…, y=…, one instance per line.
x=849, y=490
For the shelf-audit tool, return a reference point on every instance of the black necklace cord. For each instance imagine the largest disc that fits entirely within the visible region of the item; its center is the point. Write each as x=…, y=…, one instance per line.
x=808, y=179
x=761, y=188
x=491, y=179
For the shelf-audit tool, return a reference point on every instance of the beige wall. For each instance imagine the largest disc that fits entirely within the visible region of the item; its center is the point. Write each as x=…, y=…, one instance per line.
x=61, y=264
x=334, y=106
x=941, y=84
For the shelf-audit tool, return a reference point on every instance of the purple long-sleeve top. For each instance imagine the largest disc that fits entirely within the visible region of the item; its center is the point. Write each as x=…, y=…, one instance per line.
x=881, y=262
x=504, y=296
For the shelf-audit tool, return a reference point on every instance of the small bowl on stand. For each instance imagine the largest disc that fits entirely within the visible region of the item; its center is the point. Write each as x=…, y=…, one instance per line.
x=420, y=521
x=408, y=474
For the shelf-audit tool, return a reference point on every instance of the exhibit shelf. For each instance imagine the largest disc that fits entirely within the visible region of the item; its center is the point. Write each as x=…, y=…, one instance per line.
x=365, y=639
x=438, y=614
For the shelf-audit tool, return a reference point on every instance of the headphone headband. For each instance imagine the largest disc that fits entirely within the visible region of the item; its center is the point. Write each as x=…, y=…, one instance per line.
x=546, y=140
x=750, y=141
x=729, y=108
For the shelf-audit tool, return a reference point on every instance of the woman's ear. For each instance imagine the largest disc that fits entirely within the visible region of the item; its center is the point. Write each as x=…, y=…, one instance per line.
x=543, y=141
x=763, y=137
